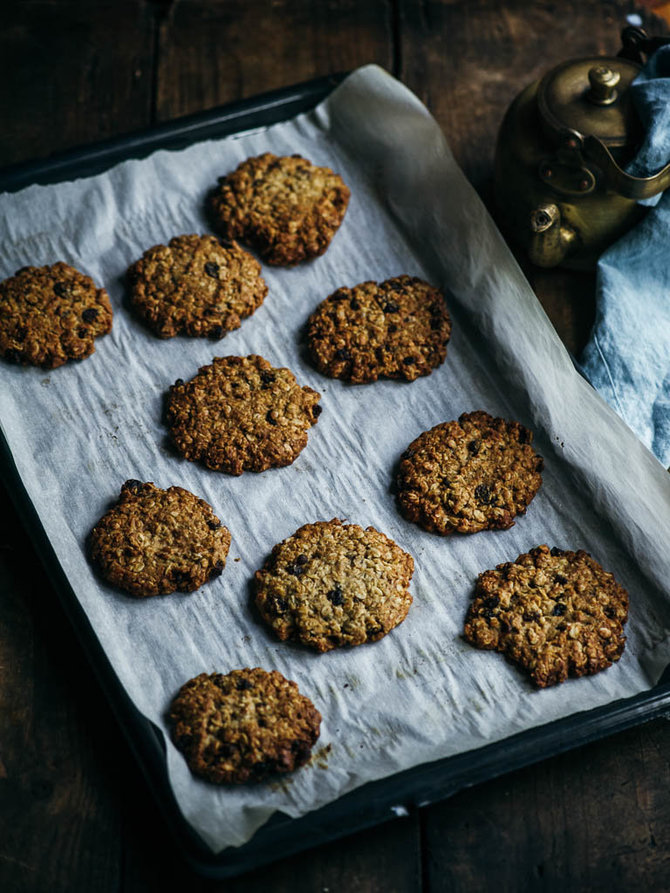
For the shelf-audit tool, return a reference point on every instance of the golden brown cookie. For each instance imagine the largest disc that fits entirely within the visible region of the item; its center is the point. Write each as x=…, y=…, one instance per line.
x=154, y=541
x=393, y=329
x=475, y=474
x=334, y=584
x=49, y=315
x=241, y=414
x=244, y=726
x=285, y=207
x=196, y=285
x=554, y=613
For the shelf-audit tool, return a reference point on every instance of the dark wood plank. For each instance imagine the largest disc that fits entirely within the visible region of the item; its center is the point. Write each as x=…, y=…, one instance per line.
x=595, y=819
x=214, y=51
x=74, y=72
x=59, y=819
x=568, y=298
x=382, y=860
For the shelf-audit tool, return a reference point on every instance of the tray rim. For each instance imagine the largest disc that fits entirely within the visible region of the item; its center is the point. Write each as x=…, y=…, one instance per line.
x=372, y=803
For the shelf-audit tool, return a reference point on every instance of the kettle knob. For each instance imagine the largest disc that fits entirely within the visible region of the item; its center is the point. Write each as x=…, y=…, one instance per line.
x=603, y=82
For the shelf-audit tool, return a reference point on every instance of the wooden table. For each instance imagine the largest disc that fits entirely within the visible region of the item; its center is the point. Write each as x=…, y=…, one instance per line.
x=75, y=814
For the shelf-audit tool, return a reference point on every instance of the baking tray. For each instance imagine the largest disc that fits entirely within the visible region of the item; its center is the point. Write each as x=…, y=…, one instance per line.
x=374, y=802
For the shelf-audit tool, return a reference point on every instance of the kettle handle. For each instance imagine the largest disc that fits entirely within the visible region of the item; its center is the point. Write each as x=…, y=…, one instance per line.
x=624, y=184
x=637, y=44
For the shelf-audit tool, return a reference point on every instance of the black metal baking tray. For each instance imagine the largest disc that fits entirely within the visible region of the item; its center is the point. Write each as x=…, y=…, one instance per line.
x=372, y=803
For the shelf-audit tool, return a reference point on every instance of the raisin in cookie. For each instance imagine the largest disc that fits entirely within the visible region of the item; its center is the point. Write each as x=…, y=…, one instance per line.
x=154, y=541
x=241, y=414
x=394, y=329
x=334, y=584
x=244, y=726
x=49, y=315
x=554, y=613
x=474, y=474
x=196, y=285
x=286, y=208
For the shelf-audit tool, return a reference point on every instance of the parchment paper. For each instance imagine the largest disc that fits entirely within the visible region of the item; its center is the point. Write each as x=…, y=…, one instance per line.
x=78, y=432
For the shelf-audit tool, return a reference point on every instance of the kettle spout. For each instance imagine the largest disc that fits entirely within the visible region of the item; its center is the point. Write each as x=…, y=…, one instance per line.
x=550, y=240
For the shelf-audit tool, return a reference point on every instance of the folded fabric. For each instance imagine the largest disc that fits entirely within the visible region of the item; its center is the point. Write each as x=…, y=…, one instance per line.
x=628, y=356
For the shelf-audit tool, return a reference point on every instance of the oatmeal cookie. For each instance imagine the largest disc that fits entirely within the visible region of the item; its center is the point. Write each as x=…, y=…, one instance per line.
x=243, y=726
x=154, y=541
x=241, y=414
x=554, y=613
x=334, y=584
x=196, y=285
x=49, y=315
x=285, y=207
x=475, y=474
x=394, y=329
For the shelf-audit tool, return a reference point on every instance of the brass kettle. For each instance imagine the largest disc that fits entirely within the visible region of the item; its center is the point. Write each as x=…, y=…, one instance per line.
x=561, y=189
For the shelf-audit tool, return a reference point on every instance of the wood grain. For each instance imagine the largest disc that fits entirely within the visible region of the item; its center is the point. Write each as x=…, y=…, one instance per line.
x=74, y=72
x=382, y=860
x=57, y=738
x=583, y=821
x=213, y=51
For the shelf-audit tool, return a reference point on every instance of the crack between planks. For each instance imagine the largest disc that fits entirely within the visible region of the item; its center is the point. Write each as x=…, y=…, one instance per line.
x=395, y=27
x=159, y=11
x=424, y=856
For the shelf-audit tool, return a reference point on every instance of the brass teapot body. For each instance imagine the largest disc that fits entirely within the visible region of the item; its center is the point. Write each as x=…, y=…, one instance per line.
x=561, y=189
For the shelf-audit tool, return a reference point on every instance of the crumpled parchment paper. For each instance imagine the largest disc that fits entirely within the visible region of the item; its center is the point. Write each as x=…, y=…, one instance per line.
x=78, y=432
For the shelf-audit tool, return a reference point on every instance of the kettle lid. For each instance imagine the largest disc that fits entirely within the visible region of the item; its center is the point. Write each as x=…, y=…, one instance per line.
x=591, y=96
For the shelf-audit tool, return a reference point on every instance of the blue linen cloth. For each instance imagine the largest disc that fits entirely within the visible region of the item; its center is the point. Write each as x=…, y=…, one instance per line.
x=628, y=356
